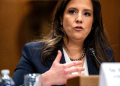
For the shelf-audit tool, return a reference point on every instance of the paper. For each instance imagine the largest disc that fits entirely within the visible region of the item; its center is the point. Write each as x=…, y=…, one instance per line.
x=109, y=74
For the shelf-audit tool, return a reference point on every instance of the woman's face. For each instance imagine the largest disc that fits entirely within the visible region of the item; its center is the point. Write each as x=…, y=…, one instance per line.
x=77, y=19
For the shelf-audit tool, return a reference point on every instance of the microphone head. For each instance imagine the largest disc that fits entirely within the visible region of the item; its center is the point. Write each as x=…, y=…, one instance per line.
x=93, y=53
x=91, y=50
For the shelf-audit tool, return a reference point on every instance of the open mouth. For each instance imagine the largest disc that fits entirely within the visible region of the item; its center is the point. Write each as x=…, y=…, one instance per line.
x=79, y=28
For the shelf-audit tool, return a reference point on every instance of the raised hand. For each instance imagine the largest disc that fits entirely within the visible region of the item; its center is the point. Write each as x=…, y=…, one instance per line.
x=59, y=73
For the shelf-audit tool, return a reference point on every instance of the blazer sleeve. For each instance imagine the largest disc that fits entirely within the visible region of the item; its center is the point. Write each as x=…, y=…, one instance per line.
x=24, y=67
x=30, y=63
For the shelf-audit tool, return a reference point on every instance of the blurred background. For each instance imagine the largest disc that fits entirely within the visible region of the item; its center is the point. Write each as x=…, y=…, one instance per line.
x=22, y=21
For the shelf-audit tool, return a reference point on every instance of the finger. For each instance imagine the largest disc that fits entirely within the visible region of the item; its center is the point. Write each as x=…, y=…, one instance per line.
x=75, y=75
x=75, y=69
x=73, y=63
x=58, y=57
x=82, y=74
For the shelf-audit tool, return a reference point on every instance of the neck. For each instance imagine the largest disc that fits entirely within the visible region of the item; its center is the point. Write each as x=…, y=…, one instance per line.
x=73, y=45
x=73, y=49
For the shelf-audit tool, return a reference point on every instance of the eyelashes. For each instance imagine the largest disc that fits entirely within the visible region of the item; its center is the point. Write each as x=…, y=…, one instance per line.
x=87, y=14
x=73, y=12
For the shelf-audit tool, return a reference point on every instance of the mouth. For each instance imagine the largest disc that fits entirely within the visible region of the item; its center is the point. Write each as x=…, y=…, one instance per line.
x=78, y=28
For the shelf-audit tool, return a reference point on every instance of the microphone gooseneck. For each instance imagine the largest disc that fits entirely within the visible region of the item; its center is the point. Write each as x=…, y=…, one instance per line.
x=93, y=53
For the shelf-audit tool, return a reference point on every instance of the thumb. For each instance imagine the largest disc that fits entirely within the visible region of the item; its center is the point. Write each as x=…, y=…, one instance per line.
x=58, y=57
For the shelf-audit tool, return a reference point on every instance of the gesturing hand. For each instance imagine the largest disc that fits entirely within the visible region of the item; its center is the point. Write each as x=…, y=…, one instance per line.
x=59, y=73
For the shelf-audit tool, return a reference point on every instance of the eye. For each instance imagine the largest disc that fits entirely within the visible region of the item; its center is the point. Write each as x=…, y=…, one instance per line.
x=87, y=14
x=72, y=11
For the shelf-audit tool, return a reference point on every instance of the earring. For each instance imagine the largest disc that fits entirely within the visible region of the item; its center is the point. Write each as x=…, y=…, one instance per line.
x=92, y=29
x=61, y=25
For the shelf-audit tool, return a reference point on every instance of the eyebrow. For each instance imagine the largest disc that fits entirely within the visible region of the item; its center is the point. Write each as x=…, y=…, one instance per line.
x=76, y=9
x=72, y=8
x=88, y=10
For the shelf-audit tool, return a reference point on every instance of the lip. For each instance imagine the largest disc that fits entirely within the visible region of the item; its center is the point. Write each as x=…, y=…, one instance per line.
x=78, y=28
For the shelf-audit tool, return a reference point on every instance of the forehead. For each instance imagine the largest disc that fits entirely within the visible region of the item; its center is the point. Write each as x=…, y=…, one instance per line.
x=87, y=4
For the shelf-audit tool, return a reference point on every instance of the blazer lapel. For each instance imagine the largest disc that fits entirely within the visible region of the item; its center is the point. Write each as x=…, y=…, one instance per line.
x=92, y=68
x=63, y=58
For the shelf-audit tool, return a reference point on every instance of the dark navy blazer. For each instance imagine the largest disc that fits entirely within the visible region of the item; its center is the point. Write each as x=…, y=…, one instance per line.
x=31, y=62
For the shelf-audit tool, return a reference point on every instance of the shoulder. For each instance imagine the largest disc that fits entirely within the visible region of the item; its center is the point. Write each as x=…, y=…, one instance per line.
x=35, y=44
x=33, y=48
x=109, y=53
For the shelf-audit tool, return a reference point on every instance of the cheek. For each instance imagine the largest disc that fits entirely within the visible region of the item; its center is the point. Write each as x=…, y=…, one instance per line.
x=89, y=24
x=67, y=21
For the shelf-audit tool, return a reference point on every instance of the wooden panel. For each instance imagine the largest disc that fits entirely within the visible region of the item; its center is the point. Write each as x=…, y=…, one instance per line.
x=111, y=19
x=91, y=80
x=11, y=13
x=20, y=21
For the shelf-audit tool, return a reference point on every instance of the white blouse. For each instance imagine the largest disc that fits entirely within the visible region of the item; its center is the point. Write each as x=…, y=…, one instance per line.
x=67, y=59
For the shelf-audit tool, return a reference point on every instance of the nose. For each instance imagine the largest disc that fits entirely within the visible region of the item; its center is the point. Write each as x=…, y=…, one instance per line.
x=79, y=18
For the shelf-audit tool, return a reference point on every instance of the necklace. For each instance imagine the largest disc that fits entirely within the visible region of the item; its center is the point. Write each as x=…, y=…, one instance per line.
x=80, y=57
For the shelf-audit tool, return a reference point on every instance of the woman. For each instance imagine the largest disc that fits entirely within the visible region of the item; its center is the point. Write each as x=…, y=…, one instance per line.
x=77, y=28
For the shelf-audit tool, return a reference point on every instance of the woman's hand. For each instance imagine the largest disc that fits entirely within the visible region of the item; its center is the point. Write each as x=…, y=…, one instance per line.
x=59, y=73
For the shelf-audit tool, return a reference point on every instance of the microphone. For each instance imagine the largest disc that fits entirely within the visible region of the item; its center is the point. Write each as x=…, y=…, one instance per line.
x=93, y=53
